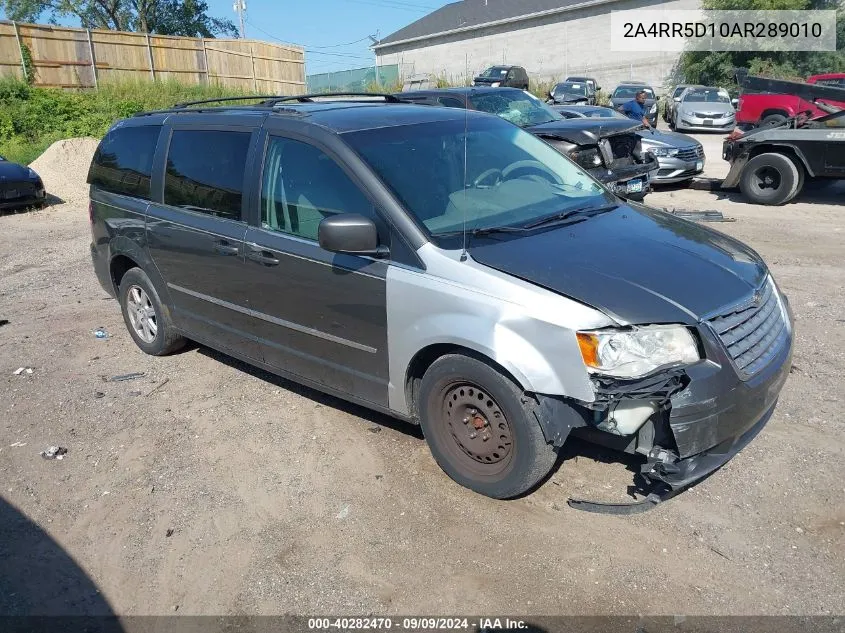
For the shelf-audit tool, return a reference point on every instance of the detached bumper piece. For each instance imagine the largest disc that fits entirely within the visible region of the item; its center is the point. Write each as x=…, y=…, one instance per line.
x=659, y=494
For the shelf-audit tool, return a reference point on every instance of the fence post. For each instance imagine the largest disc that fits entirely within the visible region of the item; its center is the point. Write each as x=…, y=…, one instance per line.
x=205, y=57
x=150, y=54
x=93, y=61
x=252, y=57
x=20, y=51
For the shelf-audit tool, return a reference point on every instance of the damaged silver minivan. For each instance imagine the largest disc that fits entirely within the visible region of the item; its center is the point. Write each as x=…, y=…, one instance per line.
x=445, y=267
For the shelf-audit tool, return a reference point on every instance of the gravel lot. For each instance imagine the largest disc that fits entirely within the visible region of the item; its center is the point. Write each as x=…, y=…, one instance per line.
x=213, y=488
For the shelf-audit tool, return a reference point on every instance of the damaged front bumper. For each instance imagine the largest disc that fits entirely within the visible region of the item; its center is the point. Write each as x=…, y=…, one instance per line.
x=628, y=181
x=704, y=415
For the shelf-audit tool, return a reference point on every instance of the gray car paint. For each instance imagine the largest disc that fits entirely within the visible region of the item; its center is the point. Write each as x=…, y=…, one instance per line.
x=528, y=330
x=686, y=110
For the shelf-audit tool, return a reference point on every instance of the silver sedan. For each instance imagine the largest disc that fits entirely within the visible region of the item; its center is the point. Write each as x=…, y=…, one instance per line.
x=704, y=109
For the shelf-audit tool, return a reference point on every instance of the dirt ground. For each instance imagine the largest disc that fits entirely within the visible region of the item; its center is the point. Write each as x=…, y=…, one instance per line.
x=207, y=487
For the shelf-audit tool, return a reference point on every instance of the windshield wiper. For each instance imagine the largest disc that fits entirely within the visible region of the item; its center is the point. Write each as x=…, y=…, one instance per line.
x=569, y=213
x=484, y=231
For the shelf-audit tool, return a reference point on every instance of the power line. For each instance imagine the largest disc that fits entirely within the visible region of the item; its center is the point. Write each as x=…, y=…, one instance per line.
x=415, y=9
x=310, y=49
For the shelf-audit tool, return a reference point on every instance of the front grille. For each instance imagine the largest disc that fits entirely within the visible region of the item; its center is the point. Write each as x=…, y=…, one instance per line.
x=754, y=333
x=691, y=153
x=710, y=115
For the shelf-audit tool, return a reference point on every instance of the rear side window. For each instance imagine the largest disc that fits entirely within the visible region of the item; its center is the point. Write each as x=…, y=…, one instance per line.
x=451, y=102
x=205, y=171
x=123, y=162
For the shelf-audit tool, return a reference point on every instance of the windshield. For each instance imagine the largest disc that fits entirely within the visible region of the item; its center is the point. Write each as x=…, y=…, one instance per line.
x=515, y=106
x=495, y=72
x=578, y=90
x=512, y=177
x=629, y=92
x=706, y=95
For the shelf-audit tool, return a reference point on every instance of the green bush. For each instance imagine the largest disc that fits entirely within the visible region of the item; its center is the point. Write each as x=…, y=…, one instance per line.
x=33, y=118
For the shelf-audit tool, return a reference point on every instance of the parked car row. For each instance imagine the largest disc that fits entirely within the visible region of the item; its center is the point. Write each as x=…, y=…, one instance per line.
x=450, y=269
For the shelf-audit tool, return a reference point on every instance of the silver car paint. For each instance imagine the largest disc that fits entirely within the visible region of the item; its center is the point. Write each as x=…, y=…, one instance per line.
x=526, y=329
x=723, y=115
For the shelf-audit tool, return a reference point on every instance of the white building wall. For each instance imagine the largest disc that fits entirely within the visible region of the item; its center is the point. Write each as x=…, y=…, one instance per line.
x=549, y=48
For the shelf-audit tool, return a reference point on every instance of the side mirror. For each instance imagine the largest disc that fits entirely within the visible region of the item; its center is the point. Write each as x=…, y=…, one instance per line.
x=734, y=102
x=350, y=233
x=677, y=99
x=598, y=88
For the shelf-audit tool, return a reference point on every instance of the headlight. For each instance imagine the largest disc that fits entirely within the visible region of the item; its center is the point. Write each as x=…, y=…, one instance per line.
x=653, y=109
x=588, y=158
x=663, y=151
x=31, y=173
x=496, y=84
x=637, y=352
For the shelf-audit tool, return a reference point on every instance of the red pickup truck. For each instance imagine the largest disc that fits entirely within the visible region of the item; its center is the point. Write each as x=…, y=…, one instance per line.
x=764, y=107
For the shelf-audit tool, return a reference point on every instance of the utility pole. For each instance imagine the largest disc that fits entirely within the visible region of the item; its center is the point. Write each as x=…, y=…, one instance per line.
x=374, y=39
x=240, y=9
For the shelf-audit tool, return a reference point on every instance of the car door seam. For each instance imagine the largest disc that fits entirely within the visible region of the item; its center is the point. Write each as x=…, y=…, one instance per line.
x=274, y=320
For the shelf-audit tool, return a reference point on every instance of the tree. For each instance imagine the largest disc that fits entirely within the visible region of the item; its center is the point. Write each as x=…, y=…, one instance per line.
x=717, y=68
x=166, y=17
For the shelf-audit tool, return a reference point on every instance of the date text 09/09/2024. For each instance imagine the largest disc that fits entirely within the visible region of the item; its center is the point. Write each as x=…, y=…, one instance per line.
x=415, y=624
x=750, y=30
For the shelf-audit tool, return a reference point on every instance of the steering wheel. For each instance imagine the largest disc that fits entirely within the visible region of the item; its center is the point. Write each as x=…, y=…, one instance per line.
x=531, y=169
x=487, y=173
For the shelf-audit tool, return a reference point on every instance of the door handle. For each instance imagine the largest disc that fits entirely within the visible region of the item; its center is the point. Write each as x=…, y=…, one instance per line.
x=262, y=256
x=225, y=247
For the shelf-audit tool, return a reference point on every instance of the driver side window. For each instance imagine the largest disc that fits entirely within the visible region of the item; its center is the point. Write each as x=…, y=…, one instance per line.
x=301, y=185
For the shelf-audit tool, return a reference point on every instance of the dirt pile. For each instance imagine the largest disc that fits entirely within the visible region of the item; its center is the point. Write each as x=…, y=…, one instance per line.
x=64, y=168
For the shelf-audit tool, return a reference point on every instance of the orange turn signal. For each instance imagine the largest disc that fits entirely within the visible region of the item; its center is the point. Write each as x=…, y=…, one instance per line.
x=589, y=344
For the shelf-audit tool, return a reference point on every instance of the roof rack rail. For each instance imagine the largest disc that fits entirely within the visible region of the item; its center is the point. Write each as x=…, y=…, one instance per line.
x=269, y=101
x=309, y=98
x=186, y=104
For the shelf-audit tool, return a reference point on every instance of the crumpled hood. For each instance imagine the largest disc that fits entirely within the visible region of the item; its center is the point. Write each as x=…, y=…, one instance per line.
x=584, y=131
x=636, y=264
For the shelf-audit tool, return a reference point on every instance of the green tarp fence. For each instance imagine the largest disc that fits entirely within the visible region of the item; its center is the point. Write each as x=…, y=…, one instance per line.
x=356, y=80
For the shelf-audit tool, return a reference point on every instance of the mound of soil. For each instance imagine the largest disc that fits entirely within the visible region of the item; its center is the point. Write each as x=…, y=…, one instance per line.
x=64, y=168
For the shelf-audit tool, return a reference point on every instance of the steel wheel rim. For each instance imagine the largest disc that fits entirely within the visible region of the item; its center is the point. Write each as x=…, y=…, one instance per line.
x=767, y=178
x=142, y=314
x=476, y=430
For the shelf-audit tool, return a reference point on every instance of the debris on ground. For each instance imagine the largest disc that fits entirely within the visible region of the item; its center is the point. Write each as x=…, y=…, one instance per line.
x=157, y=387
x=4, y=322
x=699, y=216
x=21, y=370
x=99, y=394
x=101, y=333
x=169, y=532
x=54, y=452
x=135, y=394
x=374, y=429
x=343, y=513
x=127, y=377
x=17, y=444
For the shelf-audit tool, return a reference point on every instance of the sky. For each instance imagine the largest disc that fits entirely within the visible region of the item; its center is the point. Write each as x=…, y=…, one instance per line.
x=334, y=32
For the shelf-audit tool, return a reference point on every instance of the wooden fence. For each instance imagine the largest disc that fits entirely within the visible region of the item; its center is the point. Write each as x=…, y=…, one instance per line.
x=78, y=58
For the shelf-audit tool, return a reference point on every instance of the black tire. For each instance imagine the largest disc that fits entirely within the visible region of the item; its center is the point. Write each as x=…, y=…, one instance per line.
x=802, y=178
x=452, y=389
x=770, y=179
x=773, y=119
x=164, y=339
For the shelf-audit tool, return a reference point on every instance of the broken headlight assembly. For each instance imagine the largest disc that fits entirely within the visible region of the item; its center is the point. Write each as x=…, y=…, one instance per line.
x=633, y=353
x=588, y=158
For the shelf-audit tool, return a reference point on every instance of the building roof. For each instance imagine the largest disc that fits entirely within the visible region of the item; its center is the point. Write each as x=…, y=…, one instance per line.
x=467, y=15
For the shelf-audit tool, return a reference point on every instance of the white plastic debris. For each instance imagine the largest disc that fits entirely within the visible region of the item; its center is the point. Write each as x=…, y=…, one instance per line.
x=21, y=370
x=54, y=452
x=343, y=513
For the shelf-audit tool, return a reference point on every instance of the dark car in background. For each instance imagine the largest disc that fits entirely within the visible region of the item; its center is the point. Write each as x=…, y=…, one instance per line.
x=673, y=100
x=571, y=92
x=592, y=84
x=681, y=157
x=627, y=90
x=503, y=77
x=20, y=186
x=610, y=150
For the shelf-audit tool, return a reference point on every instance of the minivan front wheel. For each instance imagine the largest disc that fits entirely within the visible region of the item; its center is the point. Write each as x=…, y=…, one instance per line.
x=147, y=321
x=480, y=428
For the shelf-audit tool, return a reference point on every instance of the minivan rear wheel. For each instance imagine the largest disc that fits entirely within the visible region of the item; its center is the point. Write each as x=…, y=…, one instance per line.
x=146, y=319
x=480, y=428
